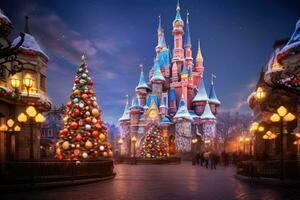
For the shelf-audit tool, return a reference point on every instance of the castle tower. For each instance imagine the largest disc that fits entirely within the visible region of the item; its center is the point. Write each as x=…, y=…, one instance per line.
x=141, y=89
x=198, y=71
x=188, y=45
x=125, y=129
x=161, y=42
x=164, y=62
x=183, y=121
x=200, y=99
x=157, y=80
x=135, y=112
x=178, y=52
x=213, y=99
x=190, y=87
x=162, y=108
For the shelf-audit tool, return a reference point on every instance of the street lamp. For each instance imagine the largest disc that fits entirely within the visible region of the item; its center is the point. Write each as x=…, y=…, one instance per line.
x=33, y=117
x=133, y=140
x=28, y=82
x=282, y=115
x=15, y=82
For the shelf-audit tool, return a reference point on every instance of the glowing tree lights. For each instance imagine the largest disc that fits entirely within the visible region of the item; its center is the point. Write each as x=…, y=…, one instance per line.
x=84, y=135
x=154, y=145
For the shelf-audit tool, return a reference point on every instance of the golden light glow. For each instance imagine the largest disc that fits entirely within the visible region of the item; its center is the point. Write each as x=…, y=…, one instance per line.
x=289, y=117
x=260, y=94
x=27, y=81
x=39, y=118
x=247, y=139
x=120, y=141
x=133, y=139
x=282, y=111
x=269, y=135
x=31, y=112
x=3, y=127
x=152, y=113
x=194, y=141
x=254, y=126
x=22, y=118
x=207, y=141
x=297, y=135
x=10, y=123
x=17, y=128
x=15, y=82
x=265, y=137
x=241, y=139
x=261, y=128
x=275, y=118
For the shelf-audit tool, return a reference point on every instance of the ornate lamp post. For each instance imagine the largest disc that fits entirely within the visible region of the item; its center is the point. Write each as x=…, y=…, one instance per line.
x=28, y=82
x=282, y=115
x=33, y=117
x=133, y=140
x=256, y=128
x=10, y=127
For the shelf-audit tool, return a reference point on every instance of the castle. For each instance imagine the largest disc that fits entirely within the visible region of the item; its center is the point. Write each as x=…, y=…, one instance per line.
x=175, y=97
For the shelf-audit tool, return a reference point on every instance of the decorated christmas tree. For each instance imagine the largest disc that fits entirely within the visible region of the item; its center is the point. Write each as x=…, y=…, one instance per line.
x=154, y=145
x=84, y=135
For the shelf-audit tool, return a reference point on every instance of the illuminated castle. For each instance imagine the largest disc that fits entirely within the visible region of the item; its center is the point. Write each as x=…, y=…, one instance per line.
x=175, y=96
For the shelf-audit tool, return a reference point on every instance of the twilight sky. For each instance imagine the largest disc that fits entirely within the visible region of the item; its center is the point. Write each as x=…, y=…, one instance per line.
x=117, y=35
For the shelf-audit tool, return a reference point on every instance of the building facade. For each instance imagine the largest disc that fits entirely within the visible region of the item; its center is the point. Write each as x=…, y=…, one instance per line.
x=174, y=97
x=15, y=96
x=278, y=85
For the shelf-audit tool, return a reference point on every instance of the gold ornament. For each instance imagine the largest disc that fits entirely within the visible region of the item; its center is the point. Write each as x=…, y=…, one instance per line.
x=66, y=145
x=95, y=112
x=105, y=154
x=88, y=144
x=102, y=137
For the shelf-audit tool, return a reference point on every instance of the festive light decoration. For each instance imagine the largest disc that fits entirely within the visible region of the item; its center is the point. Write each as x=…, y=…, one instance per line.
x=84, y=135
x=154, y=145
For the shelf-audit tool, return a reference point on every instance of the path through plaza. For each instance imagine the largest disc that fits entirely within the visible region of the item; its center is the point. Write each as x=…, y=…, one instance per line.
x=165, y=182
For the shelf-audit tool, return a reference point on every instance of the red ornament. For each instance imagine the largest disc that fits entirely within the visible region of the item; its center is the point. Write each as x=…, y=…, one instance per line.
x=74, y=125
x=65, y=131
x=76, y=80
x=95, y=134
x=98, y=126
x=91, y=91
x=76, y=112
x=90, y=82
x=69, y=104
x=84, y=96
x=78, y=138
x=88, y=134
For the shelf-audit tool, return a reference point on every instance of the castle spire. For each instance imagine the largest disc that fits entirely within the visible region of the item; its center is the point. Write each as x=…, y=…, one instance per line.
x=199, y=54
x=212, y=94
x=187, y=31
x=178, y=17
x=26, y=26
x=142, y=83
x=125, y=115
x=201, y=94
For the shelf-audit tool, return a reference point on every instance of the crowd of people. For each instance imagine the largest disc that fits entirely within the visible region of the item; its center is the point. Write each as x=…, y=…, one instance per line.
x=210, y=159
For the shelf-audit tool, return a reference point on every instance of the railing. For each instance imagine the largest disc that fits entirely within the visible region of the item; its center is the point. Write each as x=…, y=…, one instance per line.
x=47, y=171
x=269, y=169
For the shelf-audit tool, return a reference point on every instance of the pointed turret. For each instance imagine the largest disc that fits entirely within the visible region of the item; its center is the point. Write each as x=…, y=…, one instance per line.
x=142, y=83
x=213, y=99
x=184, y=72
x=125, y=115
x=199, y=68
x=182, y=111
x=199, y=58
x=157, y=75
x=178, y=17
x=207, y=114
x=162, y=107
x=212, y=94
x=187, y=39
x=161, y=42
x=134, y=103
x=142, y=88
x=201, y=94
